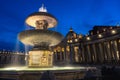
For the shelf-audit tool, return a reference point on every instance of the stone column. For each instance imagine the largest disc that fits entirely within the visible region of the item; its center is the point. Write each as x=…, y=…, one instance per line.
x=114, y=48
x=107, y=45
x=118, y=46
x=88, y=52
x=83, y=52
x=71, y=53
x=94, y=52
x=101, y=56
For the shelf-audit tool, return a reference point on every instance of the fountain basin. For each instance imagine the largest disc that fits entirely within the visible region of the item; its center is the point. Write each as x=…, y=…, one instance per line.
x=61, y=73
x=39, y=37
x=32, y=18
x=25, y=68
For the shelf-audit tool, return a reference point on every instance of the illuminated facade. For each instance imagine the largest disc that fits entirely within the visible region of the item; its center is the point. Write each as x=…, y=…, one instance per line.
x=100, y=46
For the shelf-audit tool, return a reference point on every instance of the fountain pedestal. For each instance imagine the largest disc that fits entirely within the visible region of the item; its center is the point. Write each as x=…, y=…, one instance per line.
x=40, y=58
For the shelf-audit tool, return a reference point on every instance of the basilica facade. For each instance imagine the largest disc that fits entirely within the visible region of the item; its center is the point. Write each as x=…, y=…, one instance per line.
x=100, y=46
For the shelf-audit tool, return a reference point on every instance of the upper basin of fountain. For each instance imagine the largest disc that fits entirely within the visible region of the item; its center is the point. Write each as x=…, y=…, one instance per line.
x=32, y=18
x=38, y=36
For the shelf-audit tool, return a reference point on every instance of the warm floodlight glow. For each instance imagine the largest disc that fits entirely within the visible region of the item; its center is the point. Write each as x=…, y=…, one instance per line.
x=11, y=68
x=99, y=35
x=113, y=31
x=76, y=40
x=118, y=54
x=88, y=38
x=70, y=41
x=25, y=68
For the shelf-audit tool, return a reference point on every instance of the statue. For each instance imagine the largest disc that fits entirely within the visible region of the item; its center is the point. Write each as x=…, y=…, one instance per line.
x=41, y=24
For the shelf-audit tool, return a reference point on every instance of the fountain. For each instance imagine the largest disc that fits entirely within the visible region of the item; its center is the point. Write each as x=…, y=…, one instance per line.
x=40, y=57
x=40, y=38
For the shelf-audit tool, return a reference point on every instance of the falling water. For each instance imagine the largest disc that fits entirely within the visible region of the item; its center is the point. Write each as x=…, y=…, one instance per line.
x=15, y=52
x=17, y=46
x=26, y=54
x=26, y=46
x=15, y=57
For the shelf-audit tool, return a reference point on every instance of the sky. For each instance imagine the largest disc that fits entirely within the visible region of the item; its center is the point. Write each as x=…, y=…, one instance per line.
x=81, y=15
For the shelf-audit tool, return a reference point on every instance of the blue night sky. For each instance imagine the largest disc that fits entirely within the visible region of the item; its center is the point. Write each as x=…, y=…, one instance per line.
x=82, y=15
